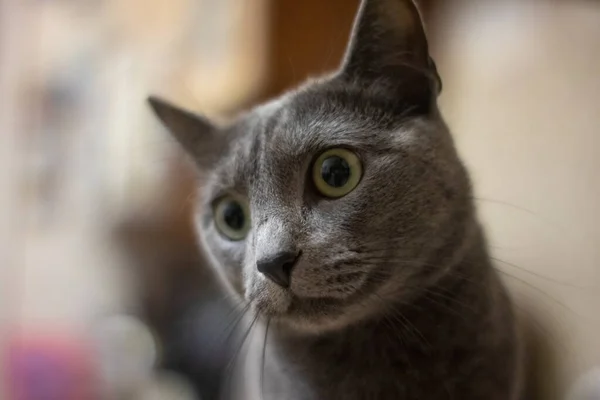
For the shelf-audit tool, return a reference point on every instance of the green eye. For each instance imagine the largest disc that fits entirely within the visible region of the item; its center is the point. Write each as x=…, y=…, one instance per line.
x=337, y=172
x=232, y=217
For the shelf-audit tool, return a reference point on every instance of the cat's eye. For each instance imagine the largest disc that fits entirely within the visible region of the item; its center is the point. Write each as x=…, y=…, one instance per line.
x=337, y=172
x=232, y=217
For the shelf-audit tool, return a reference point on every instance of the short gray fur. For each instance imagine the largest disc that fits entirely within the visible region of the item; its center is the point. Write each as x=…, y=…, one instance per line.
x=394, y=295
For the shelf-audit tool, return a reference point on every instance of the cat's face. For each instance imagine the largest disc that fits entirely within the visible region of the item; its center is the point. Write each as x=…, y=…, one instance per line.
x=319, y=206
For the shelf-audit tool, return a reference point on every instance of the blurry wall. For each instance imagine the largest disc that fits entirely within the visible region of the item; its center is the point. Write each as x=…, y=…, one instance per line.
x=82, y=158
x=522, y=97
x=80, y=150
x=80, y=155
x=306, y=38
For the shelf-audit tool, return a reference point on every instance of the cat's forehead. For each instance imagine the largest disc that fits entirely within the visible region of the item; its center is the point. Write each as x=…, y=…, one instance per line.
x=283, y=134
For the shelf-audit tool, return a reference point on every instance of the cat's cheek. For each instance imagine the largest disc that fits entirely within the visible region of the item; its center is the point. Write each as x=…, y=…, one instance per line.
x=307, y=283
x=225, y=260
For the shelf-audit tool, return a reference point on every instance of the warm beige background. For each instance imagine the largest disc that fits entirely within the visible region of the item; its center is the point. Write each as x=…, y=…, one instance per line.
x=523, y=100
x=522, y=97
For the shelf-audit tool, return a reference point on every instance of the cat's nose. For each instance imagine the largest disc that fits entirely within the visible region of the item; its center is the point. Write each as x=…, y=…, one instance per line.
x=278, y=267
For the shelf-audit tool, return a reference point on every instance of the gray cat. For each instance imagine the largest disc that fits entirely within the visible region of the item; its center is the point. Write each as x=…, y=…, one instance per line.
x=343, y=216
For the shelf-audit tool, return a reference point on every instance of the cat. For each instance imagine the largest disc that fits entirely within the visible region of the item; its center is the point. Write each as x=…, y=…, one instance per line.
x=342, y=217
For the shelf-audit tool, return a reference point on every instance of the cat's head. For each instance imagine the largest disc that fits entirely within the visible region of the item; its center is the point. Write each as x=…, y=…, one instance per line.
x=320, y=206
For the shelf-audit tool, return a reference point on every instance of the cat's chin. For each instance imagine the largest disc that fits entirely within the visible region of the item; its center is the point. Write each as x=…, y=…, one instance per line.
x=311, y=316
x=314, y=325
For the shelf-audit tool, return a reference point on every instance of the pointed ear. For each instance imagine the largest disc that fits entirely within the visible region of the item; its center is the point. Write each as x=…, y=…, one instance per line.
x=388, y=45
x=198, y=137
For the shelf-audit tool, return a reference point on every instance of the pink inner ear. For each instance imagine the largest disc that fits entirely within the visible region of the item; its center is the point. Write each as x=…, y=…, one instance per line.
x=49, y=368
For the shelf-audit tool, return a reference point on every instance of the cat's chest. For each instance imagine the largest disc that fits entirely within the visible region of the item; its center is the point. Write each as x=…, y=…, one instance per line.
x=278, y=373
x=347, y=382
x=406, y=371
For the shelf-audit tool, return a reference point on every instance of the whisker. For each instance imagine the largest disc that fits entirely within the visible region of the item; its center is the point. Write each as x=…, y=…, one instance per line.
x=232, y=362
x=546, y=220
x=230, y=328
x=446, y=307
x=405, y=322
x=539, y=275
x=264, y=352
x=449, y=298
x=542, y=292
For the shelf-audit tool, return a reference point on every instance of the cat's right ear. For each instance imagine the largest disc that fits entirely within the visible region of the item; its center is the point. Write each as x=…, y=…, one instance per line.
x=198, y=136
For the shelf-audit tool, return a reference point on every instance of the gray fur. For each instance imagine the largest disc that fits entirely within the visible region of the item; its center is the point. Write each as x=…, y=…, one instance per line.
x=393, y=296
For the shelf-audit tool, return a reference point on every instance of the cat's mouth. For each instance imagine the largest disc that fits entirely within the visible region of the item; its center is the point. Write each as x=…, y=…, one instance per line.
x=307, y=314
x=303, y=314
x=289, y=305
x=309, y=308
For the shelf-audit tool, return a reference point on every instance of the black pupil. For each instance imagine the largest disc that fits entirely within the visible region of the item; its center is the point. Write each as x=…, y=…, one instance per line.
x=233, y=215
x=335, y=171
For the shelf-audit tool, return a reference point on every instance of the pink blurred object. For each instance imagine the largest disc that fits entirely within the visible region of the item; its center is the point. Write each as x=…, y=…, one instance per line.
x=44, y=367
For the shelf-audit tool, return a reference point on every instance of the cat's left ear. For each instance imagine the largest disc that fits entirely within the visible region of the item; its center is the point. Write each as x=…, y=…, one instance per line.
x=389, y=46
x=196, y=134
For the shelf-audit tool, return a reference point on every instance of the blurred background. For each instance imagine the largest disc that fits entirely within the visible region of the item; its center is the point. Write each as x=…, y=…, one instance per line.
x=95, y=198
